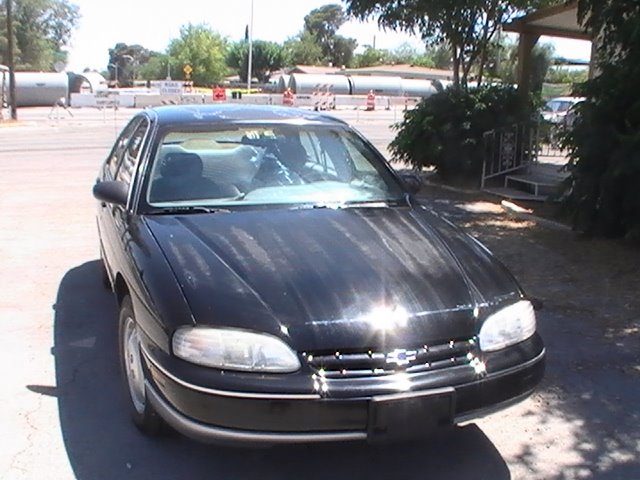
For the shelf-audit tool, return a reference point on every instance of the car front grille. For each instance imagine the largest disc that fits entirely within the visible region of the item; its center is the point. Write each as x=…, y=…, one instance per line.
x=352, y=364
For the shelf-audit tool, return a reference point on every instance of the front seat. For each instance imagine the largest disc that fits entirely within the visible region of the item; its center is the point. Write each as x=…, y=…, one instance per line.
x=181, y=179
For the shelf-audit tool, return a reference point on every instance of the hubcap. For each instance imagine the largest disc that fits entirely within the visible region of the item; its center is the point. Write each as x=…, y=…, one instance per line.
x=133, y=364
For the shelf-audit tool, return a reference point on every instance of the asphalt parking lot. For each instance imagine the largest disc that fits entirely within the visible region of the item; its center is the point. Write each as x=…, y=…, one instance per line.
x=63, y=414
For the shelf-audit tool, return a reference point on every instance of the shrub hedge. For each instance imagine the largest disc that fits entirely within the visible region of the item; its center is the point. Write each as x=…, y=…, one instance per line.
x=445, y=130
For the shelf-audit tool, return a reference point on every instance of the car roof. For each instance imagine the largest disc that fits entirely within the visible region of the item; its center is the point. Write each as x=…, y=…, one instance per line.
x=224, y=113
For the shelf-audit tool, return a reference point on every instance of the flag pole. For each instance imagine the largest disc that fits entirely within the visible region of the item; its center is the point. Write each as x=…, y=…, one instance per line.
x=249, y=73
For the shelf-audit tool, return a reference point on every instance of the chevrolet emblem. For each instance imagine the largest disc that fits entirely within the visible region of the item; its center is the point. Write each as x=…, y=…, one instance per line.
x=400, y=356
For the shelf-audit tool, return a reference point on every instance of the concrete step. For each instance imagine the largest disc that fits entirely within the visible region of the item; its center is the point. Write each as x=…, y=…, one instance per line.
x=513, y=194
x=533, y=179
x=534, y=183
x=553, y=170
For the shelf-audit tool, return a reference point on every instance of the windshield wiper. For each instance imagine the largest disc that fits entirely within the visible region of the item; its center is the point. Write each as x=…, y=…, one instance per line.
x=189, y=209
x=341, y=205
x=367, y=204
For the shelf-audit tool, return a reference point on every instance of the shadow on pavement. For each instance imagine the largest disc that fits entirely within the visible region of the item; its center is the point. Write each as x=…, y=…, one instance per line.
x=583, y=422
x=102, y=443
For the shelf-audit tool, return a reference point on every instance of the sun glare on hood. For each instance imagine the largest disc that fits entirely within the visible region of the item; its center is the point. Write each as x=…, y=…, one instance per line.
x=385, y=318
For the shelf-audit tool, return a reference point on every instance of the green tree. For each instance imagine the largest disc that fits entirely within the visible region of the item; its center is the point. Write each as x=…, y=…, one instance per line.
x=318, y=42
x=566, y=75
x=440, y=56
x=467, y=26
x=157, y=67
x=423, y=60
x=541, y=59
x=502, y=62
x=370, y=58
x=125, y=61
x=404, y=53
x=42, y=28
x=322, y=24
x=302, y=50
x=203, y=49
x=342, y=51
x=266, y=57
x=437, y=56
x=604, y=142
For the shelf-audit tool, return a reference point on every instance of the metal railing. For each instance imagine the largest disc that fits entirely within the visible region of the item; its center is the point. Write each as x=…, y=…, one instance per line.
x=549, y=139
x=508, y=149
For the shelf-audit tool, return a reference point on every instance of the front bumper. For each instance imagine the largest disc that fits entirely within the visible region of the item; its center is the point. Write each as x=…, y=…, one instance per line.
x=224, y=416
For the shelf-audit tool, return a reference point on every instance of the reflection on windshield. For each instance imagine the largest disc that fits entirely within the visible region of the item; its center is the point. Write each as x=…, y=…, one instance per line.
x=262, y=165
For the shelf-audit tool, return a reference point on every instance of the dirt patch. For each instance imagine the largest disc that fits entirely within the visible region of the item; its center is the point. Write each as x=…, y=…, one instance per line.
x=597, y=279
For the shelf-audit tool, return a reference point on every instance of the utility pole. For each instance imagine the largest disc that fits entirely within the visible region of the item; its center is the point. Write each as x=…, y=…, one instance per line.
x=10, y=62
x=250, y=62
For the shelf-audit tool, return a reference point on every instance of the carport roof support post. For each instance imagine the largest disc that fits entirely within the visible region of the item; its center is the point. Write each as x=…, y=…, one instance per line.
x=525, y=47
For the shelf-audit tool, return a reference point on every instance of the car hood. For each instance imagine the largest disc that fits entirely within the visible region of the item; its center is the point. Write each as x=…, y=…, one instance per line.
x=332, y=278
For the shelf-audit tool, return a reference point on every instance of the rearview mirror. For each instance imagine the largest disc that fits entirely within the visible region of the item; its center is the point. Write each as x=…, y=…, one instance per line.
x=111, y=192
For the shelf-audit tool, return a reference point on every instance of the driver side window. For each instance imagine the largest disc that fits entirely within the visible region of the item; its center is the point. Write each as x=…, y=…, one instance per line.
x=131, y=153
x=318, y=157
x=113, y=162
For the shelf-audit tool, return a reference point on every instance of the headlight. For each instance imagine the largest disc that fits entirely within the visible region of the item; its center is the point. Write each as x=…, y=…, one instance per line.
x=234, y=350
x=508, y=326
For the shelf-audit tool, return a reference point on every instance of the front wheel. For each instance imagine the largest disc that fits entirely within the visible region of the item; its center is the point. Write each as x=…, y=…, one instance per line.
x=142, y=412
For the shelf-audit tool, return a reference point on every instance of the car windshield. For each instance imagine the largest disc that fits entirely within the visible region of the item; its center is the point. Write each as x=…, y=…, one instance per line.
x=261, y=164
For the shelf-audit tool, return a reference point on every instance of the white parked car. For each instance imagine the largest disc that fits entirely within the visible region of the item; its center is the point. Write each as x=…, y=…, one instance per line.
x=556, y=109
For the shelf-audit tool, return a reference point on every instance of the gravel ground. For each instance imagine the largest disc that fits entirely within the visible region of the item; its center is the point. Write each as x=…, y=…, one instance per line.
x=583, y=422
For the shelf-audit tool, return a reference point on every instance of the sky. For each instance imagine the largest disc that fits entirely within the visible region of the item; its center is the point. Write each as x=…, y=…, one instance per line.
x=153, y=23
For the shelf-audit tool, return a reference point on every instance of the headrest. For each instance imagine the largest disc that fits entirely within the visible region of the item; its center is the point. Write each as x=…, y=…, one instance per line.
x=181, y=164
x=292, y=150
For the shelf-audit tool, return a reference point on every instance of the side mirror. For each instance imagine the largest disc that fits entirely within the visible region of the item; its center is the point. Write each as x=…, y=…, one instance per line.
x=412, y=182
x=111, y=192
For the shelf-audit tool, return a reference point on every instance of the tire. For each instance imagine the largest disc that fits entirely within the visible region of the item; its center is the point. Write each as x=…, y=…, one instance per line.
x=133, y=374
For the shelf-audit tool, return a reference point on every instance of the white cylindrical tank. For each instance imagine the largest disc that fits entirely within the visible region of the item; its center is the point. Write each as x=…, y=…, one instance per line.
x=412, y=87
x=307, y=83
x=441, y=84
x=282, y=84
x=40, y=89
x=363, y=84
x=87, y=82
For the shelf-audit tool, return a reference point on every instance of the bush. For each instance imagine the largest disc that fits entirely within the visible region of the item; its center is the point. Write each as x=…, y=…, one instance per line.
x=445, y=130
x=604, y=143
x=604, y=147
